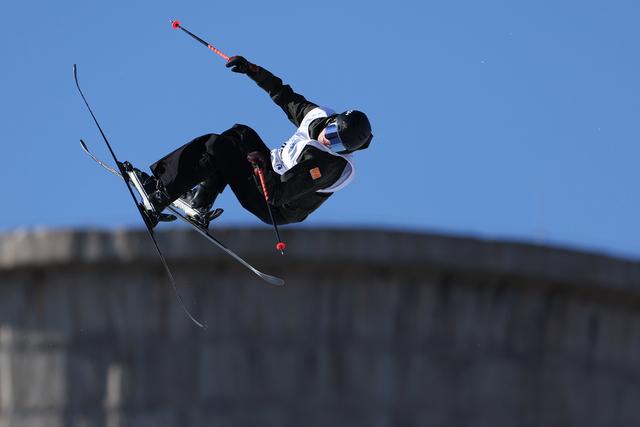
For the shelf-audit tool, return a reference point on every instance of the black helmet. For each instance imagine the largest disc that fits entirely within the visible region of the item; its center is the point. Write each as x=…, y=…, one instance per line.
x=353, y=131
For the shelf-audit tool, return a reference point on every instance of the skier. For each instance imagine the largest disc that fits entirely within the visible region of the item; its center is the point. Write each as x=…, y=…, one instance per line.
x=300, y=175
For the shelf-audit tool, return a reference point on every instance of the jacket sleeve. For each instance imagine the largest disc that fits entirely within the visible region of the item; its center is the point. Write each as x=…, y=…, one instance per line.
x=293, y=104
x=315, y=171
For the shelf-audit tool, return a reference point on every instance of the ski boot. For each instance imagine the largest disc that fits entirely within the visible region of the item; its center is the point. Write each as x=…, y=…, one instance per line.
x=154, y=197
x=200, y=200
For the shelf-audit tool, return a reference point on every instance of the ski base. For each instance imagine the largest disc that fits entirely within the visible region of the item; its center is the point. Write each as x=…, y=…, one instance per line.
x=143, y=213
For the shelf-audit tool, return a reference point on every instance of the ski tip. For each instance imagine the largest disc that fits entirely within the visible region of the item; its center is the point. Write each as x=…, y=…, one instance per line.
x=75, y=74
x=175, y=24
x=200, y=325
x=275, y=281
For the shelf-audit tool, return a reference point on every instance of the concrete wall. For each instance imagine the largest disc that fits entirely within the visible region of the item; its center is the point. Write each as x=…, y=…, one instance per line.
x=406, y=330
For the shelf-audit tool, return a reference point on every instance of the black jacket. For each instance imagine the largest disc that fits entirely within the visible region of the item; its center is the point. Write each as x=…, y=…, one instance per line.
x=295, y=192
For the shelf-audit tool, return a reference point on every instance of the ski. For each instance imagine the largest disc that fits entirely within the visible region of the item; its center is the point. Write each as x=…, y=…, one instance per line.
x=139, y=205
x=178, y=208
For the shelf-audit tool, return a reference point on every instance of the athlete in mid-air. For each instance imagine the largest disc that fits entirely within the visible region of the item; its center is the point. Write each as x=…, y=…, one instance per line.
x=300, y=175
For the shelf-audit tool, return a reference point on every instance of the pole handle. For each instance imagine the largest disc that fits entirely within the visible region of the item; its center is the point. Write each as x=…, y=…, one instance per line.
x=258, y=171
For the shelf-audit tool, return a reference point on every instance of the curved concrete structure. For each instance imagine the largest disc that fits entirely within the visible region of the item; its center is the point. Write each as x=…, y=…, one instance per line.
x=406, y=330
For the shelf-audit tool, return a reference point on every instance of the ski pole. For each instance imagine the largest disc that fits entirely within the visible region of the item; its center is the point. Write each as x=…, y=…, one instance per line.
x=258, y=171
x=177, y=26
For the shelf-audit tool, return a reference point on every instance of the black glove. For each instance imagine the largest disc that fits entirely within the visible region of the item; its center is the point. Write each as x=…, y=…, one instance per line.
x=257, y=158
x=239, y=64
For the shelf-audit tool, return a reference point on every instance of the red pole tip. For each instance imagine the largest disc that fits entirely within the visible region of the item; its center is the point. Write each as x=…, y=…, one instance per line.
x=281, y=246
x=175, y=24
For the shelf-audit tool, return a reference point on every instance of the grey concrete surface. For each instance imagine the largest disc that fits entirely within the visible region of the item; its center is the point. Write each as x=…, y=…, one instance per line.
x=374, y=328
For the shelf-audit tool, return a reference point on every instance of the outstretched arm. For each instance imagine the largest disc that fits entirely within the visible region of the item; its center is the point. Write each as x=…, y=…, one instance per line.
x=293, y=104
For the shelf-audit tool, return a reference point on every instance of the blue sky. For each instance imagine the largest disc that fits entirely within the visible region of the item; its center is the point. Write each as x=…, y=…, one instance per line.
x=497, y=119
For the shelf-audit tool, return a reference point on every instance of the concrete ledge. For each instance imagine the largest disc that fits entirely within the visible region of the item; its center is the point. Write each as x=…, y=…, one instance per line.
x=323, y=248
x=375, y=327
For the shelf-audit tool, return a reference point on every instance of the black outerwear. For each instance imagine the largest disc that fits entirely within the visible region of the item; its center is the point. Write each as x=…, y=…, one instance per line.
x=221, y=160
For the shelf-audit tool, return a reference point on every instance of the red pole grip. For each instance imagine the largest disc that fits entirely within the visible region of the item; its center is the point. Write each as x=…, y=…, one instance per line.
x=215, y=50
x=259, y=172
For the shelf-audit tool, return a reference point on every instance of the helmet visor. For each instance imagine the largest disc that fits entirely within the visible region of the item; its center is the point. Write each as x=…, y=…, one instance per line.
x=331, y=133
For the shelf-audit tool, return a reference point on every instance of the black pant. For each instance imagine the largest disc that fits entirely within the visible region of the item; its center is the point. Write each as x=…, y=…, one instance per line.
x=221, y=160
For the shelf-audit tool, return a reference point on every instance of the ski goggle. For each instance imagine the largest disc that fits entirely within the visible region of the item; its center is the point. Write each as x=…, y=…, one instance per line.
x=331, y=133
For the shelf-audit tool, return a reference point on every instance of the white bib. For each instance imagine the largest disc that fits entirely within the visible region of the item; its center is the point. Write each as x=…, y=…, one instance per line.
x=288, y=155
